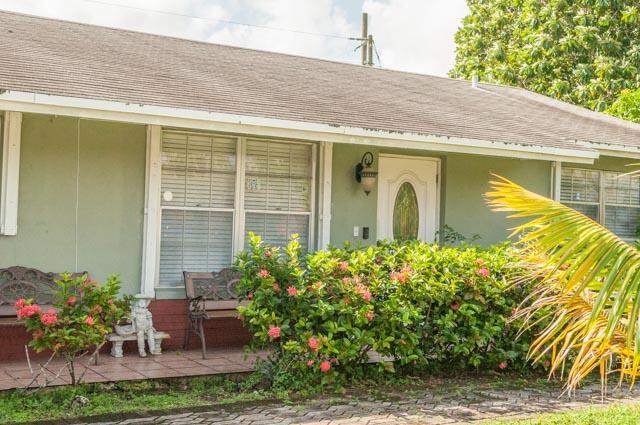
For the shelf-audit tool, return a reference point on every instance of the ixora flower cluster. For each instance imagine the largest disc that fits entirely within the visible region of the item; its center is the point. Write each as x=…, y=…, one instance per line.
x=82, y=315
x=418, y=304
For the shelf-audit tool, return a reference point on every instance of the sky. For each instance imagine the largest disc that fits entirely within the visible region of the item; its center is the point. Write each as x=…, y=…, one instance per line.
x=410, y=35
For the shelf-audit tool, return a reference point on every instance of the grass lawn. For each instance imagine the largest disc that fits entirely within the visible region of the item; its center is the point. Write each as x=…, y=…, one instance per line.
x=614, y=414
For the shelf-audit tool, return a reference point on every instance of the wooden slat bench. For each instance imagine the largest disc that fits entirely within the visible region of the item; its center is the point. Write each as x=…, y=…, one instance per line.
x=24, y=282
x=209, y=295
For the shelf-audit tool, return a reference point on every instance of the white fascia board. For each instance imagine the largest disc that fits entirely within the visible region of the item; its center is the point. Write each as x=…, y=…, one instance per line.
x=269, y=127
x=608, y=149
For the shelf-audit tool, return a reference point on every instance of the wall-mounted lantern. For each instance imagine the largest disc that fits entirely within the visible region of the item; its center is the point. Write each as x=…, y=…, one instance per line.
x=364, y=174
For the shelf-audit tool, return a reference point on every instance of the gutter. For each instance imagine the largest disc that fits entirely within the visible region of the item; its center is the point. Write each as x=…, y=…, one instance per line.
x=269, y=127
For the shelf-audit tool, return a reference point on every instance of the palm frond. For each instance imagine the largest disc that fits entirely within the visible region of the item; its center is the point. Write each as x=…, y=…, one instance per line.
x=585, y=275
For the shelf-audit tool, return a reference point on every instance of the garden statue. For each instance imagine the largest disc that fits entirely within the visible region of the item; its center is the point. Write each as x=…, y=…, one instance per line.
x=143, y=325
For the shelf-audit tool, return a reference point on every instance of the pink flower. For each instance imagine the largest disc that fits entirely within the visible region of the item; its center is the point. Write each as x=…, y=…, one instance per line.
x=72, y=300
x=344, y=266
x=406, y=269
x=346, y=280
x=49, y=318
x=20, y=303
x=274, y=332
x=325, y=366
x=366, y=295
x=503, y=365
x=110, y=302
x=370, y=315
x=263, y=274
x=28, y=311
x=276, y=287
x=455, y=306
x=310, y=363
x=267, y=254
x=292, y=291
x=250, y=295
x=89, y=320
x=399, y=277
x=313, y=343
x=484, y=272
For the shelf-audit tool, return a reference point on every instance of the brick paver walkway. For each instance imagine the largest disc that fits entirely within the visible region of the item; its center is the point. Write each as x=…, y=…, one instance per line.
x=439, y=406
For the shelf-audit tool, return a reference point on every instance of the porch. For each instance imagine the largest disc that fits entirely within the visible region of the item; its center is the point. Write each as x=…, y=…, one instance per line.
x=171, y=364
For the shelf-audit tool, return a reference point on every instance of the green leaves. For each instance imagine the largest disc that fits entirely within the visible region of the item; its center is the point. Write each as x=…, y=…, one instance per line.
x=420, y=304
x=584, y=52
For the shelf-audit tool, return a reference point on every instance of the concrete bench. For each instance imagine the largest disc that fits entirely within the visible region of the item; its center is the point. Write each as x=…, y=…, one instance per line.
x=117, y=341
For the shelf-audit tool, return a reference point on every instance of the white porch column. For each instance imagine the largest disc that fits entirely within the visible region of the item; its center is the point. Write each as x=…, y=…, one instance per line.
x=556, y=178
x=9, y=181
x=326, y=167
x=152, y=211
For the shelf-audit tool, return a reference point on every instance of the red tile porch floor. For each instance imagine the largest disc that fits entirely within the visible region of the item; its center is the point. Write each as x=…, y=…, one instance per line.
x=170, y=364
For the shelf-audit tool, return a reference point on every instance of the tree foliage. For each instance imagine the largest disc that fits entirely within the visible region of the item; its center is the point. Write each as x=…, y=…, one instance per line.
x=583, y=51
x=627, y=106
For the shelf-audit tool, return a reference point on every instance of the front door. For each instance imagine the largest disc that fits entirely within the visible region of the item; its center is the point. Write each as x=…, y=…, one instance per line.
x=407, y=197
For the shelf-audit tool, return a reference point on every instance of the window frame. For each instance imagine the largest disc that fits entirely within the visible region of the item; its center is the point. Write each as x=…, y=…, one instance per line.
x=602, y=203
x=239, y=210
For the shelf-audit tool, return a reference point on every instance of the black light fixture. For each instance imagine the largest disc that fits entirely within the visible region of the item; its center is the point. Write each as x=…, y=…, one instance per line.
x=364, y=174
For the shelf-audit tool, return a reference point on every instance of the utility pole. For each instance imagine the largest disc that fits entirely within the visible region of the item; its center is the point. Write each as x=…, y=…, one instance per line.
x=365, y=39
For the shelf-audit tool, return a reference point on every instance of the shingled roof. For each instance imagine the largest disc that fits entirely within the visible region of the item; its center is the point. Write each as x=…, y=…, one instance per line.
x=46, y=56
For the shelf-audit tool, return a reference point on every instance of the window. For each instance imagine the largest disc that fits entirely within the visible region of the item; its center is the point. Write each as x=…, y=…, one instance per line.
x=611, y=198
x=201, y=201
x=278, y=191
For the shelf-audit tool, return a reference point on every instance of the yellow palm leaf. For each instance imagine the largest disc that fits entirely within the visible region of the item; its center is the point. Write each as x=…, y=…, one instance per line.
x=586, y=277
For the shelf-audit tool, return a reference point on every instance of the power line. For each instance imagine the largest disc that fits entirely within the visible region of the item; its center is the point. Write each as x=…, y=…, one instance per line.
x=223, y=21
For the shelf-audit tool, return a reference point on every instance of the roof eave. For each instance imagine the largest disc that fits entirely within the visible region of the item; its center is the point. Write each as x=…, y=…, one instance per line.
x=269, y=127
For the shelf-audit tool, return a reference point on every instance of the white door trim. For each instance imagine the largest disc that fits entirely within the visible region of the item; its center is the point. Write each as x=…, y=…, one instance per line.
x=385, y=209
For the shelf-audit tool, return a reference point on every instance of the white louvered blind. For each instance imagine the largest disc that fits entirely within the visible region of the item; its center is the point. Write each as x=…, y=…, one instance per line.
x=580, y=189
x=198, y=187
x=277, y=193
x=611, y=198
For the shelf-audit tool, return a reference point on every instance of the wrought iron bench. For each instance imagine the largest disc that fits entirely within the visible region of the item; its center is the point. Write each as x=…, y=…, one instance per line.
x=209, y=295
x=23, y=282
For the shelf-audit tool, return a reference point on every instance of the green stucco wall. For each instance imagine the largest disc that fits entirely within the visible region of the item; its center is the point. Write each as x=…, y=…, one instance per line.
x=464, y=179
x=81, y=198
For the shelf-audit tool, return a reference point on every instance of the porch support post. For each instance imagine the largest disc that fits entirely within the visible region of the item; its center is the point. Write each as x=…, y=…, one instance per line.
x=556, y=178
x=152, y=217
x=9, y=180
x=326, y=167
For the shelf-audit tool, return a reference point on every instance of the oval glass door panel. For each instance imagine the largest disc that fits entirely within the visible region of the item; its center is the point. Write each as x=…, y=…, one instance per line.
x=406, y=216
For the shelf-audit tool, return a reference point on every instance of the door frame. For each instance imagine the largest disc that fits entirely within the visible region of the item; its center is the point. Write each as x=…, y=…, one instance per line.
x=380, y=204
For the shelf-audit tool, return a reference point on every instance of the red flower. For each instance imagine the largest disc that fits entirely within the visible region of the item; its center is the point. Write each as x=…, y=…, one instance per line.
x=89, y=321
x=397, y=276
x=49, y=318
x=20, y=303
x=313, y=344
x=366, y=295
x=344, y=266
x=28, y=311
x=455, y=306
x=484, y=272
x=263, y=274
x=72, y=300
x=310, y=363
x=267, y=254
x=503, y=365
x=274, y=332
x=479, y=262
x=250, y=295
x=292, y=291
x=370, y=315
x=325, y=366
x=406, y=269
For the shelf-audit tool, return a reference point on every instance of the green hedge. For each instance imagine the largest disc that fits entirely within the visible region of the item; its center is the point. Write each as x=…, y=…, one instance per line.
x=422, y=305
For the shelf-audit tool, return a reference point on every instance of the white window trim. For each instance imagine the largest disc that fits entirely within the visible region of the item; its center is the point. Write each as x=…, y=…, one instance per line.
x=324, y=201
x=153, y=208
x=602, y=204
x=9, y=181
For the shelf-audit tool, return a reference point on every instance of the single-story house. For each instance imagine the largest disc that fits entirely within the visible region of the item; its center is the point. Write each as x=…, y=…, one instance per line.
x=145, y=155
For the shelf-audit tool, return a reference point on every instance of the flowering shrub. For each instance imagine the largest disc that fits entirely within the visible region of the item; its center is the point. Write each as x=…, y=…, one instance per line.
x=80, y=319
x=420, y=304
